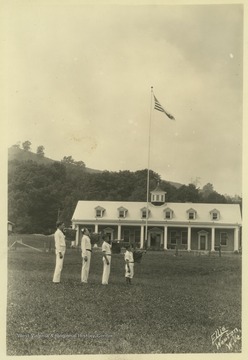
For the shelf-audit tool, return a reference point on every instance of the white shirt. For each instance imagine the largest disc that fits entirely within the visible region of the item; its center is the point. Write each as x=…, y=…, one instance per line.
x=59, y=238
x=106, y=247
x=85, y=245
x=128, y=256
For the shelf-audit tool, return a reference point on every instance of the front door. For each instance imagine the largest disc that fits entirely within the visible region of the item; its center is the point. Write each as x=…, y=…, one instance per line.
x=202, y=242
x=158, y=240
x=155, y=240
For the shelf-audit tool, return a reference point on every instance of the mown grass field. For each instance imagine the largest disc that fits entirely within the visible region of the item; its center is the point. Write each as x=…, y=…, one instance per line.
x=174, y=305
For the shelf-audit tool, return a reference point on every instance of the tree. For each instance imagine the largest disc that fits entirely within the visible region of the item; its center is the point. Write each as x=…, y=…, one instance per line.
x=207, y=190
x=215, y=197
x=80, y=164
x=36, y=191
x=68, y=160
x=188, y=193
x=40, y=151
x=196, y=181
x=26, y=145
x=35, y=194
x=17, y=145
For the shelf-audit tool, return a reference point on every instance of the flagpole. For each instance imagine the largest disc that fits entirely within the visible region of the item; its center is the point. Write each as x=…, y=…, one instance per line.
x=148, y=170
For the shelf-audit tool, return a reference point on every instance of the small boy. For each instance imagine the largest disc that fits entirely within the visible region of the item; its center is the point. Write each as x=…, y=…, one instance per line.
x=129, y=264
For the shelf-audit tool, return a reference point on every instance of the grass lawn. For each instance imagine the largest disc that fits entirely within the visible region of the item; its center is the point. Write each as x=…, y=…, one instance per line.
x=175, y=305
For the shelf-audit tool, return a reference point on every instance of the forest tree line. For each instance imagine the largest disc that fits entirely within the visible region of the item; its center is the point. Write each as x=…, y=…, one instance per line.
x=39, y=194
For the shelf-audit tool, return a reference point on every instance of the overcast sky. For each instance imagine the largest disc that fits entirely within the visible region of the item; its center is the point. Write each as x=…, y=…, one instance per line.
x=79, y=83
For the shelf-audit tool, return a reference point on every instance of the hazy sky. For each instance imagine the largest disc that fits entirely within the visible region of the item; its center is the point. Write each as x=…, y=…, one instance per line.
x=79, y=79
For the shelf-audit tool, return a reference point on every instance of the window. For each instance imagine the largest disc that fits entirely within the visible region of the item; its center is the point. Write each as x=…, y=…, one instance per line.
x=184, y=237
x=223, y=238
x=168, y=213
x=215, y=214
x=173, y=237
x=122, y=212
x=99, y=211
x=191, y=214
x=143, y=213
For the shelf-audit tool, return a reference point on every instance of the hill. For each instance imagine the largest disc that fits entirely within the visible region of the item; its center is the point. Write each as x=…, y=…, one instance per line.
x=41, y=190
x=15, y=153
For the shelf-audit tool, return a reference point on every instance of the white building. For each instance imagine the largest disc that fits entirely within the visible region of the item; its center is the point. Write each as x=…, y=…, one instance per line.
x=188, y=226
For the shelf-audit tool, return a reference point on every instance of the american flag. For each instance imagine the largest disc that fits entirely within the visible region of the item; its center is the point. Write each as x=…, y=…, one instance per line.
x=159, y=107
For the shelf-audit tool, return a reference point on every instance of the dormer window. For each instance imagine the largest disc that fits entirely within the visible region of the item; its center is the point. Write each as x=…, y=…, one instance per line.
x=215, y=214
x=122, y=212
x=191, y=214
x=168, y=213
x=145, y=211
x=99, y=211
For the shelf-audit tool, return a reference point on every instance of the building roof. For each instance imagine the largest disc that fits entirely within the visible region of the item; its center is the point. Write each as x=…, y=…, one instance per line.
x=228, y=213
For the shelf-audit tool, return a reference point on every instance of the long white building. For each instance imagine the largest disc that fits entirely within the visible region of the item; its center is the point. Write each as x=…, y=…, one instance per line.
x=187, y=226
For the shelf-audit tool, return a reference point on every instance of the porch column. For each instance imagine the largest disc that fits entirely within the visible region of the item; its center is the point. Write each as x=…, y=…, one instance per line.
x=149, y=240
x=236, y=239
x=189, y=239
x=142, y=236
x=119, y=232
x=165, y=237
x=212, y=238
x=96, y=228
x=77, y=235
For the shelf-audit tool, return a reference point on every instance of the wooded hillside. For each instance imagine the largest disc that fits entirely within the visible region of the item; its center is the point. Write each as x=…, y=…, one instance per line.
x=40, y=192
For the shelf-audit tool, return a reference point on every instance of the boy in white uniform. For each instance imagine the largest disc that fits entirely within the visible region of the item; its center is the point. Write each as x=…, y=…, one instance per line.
x=60, y=247
x=129, y=264
x=106, y=249
x=86, y=255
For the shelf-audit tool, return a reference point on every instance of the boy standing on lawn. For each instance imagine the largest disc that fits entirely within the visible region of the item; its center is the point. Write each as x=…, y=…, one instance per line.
x=60, y=247
x=106, y=251
x=86, y=255
x=129, y=264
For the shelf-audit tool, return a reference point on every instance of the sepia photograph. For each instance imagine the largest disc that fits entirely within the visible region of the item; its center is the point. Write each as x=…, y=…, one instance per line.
x=123, y=132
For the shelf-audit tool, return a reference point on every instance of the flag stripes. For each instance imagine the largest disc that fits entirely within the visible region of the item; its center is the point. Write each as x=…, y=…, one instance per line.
x=159, y=107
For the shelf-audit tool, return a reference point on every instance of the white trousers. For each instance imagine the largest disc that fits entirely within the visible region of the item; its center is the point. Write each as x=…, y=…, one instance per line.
x=131, y=273
x=58, y=267
x=85, y=268
x=106, y=270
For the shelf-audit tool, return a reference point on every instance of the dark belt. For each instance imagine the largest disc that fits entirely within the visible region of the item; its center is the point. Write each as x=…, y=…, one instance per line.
x=88, y=250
